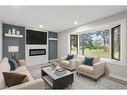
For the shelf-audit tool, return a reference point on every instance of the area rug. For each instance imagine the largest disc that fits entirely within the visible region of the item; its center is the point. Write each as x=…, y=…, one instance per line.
x=81, y=81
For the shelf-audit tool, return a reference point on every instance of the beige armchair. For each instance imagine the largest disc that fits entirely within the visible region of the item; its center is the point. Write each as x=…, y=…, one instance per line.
x=95, y=71
x=68, y=64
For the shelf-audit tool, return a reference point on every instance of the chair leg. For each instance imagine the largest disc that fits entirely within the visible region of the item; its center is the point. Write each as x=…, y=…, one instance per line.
x=95, y=80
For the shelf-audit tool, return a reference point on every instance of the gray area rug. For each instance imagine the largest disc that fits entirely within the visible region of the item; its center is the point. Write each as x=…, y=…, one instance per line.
x=81, y=81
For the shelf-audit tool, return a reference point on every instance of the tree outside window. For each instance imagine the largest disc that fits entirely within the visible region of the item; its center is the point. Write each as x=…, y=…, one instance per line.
x=74, y=44
x=95, y=44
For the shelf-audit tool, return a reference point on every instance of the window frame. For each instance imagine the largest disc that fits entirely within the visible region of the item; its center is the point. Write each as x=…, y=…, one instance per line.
x=112, y=43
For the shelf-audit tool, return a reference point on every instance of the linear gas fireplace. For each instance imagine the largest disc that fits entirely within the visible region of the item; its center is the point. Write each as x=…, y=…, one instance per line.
x=36, y=52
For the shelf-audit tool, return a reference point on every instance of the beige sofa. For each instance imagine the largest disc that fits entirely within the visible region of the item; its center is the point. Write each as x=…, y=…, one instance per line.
x=68, y=64
x=31, y=84
x=95, y=71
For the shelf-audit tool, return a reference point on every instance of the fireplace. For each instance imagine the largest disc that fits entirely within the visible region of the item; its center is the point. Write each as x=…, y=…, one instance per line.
x=37, y=52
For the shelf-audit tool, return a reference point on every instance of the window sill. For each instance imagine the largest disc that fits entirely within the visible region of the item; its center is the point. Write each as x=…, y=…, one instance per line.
x=112, y=61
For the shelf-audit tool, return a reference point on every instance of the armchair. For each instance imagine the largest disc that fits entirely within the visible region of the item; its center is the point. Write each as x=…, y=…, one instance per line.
x=68, y=64
x=95, y=71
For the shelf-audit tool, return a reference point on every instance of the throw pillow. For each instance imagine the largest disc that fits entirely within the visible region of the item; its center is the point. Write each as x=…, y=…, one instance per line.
x=12, y=79
x=69, y=56
x=88, y=61
x=13, y=64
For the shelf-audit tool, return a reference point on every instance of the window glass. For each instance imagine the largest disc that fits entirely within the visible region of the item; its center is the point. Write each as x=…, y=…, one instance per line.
x=95, y=44
x=116, y=42
x=74, y=44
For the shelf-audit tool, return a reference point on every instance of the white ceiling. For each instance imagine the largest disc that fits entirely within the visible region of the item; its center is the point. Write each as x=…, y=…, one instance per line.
x=55, y=18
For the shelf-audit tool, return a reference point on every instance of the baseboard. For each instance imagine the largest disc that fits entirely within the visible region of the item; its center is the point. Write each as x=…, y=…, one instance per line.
x=117, y=79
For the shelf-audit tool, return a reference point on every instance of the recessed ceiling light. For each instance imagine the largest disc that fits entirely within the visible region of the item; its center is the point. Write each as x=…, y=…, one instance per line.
x=41, y=26
x=75, y=22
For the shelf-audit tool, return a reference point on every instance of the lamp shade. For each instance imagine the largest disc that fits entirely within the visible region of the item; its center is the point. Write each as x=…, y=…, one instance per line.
x=13, y=48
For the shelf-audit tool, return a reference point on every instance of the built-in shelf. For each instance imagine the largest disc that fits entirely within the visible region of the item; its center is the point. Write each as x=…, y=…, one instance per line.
x=12, y=35
x=52, y=38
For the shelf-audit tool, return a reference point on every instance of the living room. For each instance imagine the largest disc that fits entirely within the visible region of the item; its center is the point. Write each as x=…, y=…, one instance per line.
x=56, y=49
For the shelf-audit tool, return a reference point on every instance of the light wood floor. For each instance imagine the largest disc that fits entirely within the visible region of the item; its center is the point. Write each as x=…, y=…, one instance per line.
x=82, y=82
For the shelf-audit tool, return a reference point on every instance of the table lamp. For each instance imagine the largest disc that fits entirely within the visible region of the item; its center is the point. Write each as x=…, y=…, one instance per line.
x=13, y=50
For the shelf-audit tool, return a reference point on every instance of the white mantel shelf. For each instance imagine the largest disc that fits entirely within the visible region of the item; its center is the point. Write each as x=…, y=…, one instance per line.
x=11, y=35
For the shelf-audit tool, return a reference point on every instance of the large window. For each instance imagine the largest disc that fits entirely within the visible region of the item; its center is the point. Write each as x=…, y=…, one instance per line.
x=115, y=51
x=74, y=44
x=95, y=44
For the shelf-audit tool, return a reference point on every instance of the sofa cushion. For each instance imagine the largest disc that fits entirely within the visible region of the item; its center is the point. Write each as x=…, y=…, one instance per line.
x=88, y=61
x=12, y=79
x=69, y=56
x=38, y=84
x=85, y=68
x=13, y=64
x=23, y=70
x=4, y=67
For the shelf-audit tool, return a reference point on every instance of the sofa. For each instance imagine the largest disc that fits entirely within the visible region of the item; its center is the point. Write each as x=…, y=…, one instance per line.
x=68, y=64
x=31, y=84
x=95, y=71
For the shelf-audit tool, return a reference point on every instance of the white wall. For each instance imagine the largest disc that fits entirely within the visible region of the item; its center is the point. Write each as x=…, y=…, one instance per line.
x=63, y=37
x=114, y=70
x=34, y=60
x=117, y=71
x=0, y=40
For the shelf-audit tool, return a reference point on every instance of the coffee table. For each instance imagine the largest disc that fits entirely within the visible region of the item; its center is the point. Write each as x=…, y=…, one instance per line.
x=56, y=81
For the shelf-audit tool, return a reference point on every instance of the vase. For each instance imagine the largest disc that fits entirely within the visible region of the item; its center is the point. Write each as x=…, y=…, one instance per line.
x=13, y=31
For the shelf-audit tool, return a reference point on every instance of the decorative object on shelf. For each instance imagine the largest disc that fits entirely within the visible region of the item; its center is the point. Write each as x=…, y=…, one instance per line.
x=9, y=31
x=13, y=50
x=13, y=31
x=18, y=32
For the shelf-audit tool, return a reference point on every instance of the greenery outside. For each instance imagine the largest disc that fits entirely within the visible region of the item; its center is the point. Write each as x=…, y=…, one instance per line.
x=96, y=44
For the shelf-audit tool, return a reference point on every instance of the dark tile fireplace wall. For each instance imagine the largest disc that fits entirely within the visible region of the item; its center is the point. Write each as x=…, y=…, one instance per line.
x=13, y=41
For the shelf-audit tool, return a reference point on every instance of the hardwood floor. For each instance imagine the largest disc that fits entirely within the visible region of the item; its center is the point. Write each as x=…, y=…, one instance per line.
x=82, y=82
